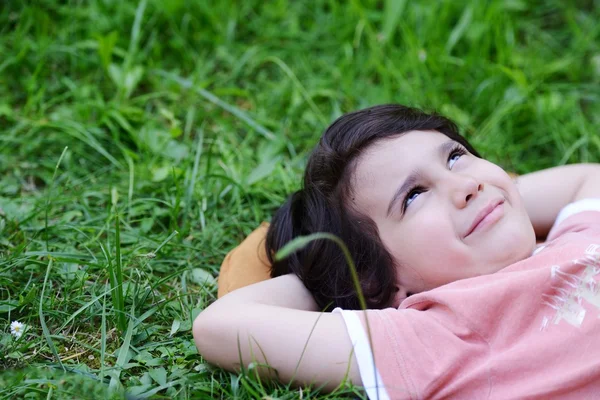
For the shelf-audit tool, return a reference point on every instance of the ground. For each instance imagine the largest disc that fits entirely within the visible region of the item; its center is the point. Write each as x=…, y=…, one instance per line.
x=141, y=141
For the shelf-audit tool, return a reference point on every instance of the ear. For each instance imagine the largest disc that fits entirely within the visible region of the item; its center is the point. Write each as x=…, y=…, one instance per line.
x=399, y=296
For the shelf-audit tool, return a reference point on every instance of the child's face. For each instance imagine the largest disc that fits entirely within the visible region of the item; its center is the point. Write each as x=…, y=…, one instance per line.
x=429, y=240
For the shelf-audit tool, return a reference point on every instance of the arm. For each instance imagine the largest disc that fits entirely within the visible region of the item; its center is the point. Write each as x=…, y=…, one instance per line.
x=274, y=320
x=547, y=191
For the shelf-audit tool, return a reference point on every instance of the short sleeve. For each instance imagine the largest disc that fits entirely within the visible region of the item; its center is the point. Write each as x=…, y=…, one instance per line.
x=369, y=373
x=576, y=217
x=417, y=354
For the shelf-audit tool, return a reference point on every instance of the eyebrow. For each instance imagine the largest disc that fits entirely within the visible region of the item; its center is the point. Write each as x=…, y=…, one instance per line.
x=415, y=176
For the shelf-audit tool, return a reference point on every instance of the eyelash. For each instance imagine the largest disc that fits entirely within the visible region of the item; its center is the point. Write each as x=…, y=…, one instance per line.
x=456, y=150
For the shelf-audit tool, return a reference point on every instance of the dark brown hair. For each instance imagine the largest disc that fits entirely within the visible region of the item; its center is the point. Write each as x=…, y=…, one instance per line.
x=322, y=206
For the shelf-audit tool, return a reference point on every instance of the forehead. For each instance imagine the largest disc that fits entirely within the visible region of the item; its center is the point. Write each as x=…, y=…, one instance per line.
x=382, y=168
x=398, y=154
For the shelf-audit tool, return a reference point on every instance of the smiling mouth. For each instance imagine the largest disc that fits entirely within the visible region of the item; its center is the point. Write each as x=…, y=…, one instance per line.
x=489, y=216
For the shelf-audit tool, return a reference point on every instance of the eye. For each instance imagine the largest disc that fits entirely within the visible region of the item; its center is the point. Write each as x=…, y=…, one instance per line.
x=411, y=196
x=454, y=154
x=457, y=151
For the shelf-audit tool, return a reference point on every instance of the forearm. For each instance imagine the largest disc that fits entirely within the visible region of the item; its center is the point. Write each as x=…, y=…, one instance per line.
x=273, y=322
x=590, y=188
x=285, y=291
x=547, y=191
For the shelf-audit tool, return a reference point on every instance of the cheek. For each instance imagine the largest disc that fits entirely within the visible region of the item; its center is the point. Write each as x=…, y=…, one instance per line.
x=429, y=239
x=430, y=255
x=500, y=178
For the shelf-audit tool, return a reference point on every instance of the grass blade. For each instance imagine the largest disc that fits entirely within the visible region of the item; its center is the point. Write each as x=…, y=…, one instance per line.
x=45, y=329
x=122, y=358
x=188, y=84
x=103, y=338
x=50, y=193
x=192, y=183
x=121, y=321
x=165, y=242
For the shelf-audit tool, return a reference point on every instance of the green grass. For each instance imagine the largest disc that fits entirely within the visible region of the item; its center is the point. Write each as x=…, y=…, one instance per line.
x=186, y=123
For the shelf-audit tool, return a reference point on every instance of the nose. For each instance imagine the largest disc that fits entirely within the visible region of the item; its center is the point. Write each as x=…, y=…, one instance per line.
x=463, y=189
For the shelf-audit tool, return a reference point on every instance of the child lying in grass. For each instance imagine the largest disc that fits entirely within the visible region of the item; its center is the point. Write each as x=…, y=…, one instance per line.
x=460, y=301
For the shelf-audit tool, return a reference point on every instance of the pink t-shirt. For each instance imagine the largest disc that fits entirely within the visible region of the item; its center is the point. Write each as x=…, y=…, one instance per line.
x=531, y=330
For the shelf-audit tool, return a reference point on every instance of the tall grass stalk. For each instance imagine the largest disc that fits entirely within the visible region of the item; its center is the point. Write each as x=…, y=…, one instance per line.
x=299, y=243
